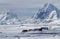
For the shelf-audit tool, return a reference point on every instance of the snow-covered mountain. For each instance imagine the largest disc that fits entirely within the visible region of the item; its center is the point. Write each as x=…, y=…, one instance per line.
x=49, y=13
x=7, y=17
x=46, y=10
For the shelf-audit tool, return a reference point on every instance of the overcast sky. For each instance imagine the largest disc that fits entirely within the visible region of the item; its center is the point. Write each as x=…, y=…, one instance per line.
x=28, y=3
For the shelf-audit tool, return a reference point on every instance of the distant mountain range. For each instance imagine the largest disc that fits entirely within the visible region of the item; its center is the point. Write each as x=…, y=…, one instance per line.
x=49, y=13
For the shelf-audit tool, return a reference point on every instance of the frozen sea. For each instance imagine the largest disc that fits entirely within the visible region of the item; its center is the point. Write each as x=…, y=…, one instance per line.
x=55, y=37
x=15, y=30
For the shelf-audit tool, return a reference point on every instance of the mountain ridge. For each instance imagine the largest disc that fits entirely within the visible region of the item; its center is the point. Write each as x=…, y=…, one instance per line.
x=45, y=12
